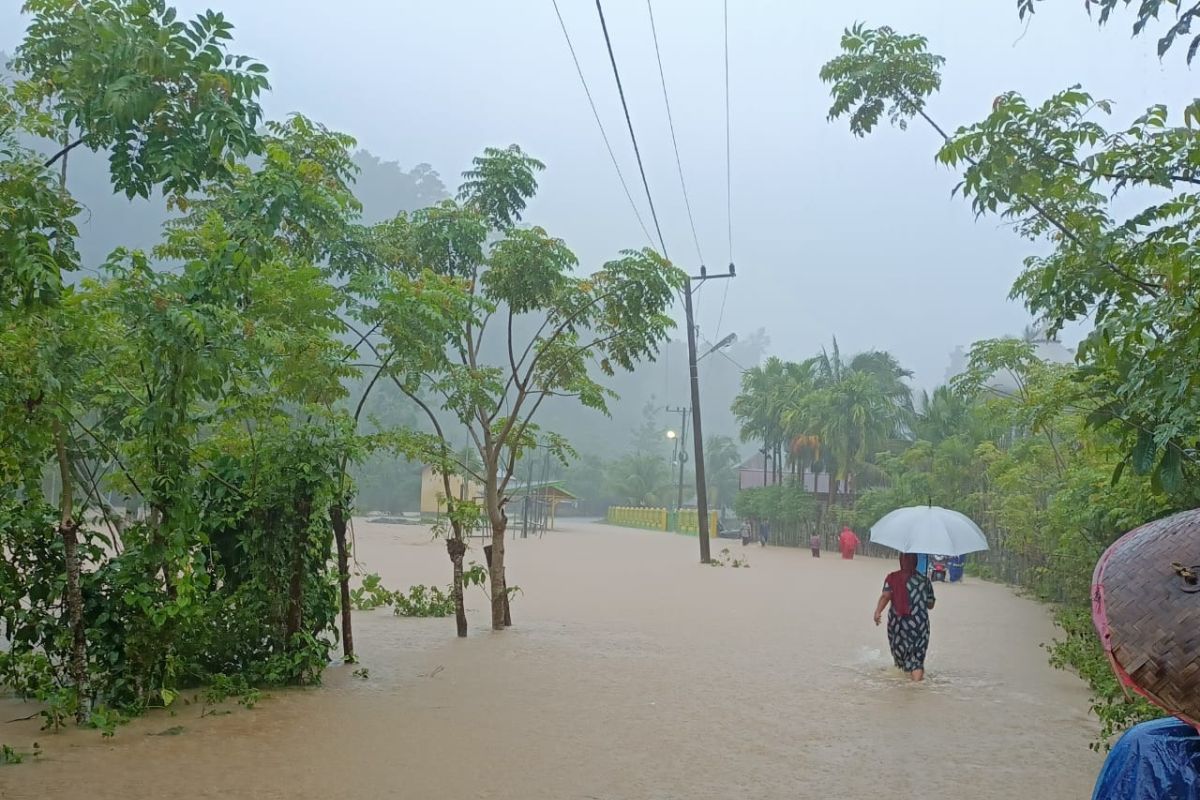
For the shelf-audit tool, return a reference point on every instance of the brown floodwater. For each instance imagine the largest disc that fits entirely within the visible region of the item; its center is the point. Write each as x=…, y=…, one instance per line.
x=632, y=673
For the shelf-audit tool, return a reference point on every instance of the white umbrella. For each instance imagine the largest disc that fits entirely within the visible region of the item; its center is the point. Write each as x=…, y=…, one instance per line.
x=929, y=529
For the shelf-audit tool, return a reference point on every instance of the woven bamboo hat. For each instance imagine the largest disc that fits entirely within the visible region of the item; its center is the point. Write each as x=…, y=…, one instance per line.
x=1146, y=607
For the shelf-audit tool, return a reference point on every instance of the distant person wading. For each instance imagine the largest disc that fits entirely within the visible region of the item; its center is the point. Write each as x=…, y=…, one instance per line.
x=910, y=595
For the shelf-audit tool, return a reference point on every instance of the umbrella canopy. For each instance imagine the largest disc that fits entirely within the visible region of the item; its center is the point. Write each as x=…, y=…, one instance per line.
x=929, y=529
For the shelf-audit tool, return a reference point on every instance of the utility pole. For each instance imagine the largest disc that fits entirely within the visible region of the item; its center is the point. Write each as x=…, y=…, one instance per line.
x=697, y=429
x=681, y=452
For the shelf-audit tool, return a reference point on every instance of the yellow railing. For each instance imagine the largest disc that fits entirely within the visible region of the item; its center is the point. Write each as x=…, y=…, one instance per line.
x=654, y=519
x=689, y=522
x=659, y=519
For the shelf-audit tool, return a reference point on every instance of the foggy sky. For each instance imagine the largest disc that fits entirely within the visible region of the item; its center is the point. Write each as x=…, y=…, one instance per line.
x=833, y=236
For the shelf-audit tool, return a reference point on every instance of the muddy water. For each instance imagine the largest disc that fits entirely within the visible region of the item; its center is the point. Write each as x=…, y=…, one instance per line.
x=632, y=673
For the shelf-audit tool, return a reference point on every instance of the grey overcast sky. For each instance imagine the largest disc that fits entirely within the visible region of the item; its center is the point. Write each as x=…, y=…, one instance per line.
x=831, y=235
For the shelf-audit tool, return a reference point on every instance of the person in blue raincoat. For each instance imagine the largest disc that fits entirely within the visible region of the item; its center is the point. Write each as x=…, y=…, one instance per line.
x=1153, y=760
x=955, y=565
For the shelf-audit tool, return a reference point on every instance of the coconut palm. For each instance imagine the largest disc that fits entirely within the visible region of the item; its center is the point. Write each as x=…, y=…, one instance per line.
x=721, y=459
x=640, y=479
x=941, y=415
x=847, y=412
x=759, y=405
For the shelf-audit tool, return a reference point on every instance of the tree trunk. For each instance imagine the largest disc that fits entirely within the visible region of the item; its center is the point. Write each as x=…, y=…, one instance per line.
x=501, y=615
x=296, y=586
x=68, y=529
x=456, y=548
x=337, y=516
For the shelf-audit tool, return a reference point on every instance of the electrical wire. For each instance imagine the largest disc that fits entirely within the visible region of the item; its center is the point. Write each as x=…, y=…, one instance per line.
x=629, y=122
x=671, y=124
x=728, y=176
x=728, y=159
x=600, y=125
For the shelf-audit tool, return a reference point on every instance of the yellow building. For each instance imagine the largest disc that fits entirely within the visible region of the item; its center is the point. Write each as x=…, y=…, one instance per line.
x=433, y=491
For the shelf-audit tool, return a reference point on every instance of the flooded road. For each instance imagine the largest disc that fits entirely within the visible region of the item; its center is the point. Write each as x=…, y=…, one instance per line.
x=633, y=673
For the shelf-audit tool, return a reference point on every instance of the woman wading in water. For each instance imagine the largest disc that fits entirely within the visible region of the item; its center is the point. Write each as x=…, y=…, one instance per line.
x=910, y=595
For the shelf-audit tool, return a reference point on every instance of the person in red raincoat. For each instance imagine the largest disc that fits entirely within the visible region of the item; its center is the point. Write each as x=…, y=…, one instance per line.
x=848, y=543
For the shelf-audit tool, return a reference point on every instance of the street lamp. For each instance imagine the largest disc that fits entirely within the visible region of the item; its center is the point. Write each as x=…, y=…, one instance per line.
x=671, y=434
x=721, y=345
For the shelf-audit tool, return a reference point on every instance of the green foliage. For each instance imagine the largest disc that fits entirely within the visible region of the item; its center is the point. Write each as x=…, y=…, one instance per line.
x=371, y=594
x=826, y=413
x=1079, y=650
x=1059, y=176
x=460, y=273
x=106, y=720
x=878, y=72
x=37, y=234
x=163, y=96
x=423, y=601
x=1036, y=476
x=200, y=380
x=1113, y=213
x=641, y=479
x=721, y=461
x=11, y=755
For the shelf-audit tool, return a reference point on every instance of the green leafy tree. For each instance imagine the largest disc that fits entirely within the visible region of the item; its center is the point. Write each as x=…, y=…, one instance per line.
x=1060, y=177
x=163, y=96
x=205, y=379
x=722, y=460
x=641, y=479
x=611, y=319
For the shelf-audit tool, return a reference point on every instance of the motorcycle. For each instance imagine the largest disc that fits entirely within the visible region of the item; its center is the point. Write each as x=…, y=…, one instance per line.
x=939, y=569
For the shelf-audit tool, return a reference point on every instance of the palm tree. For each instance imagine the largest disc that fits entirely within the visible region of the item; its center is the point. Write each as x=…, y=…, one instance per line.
x=758, y=407
x=829, y=413
x=721, y=459
x=848, y=411
x=942, y=415
x=640, y=479
x=855, y=417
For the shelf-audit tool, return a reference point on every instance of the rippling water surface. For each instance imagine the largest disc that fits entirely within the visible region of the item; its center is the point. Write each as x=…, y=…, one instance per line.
x=632, y=673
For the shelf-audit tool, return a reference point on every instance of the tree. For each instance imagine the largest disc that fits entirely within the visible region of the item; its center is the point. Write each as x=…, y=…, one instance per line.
x=609, y=320
x=162, y=95
x=205, y=378
x=759, y=406
x=1061, y=178
x=721, y=467
x=164, y=99
x=1041, y=479
x=641, y=479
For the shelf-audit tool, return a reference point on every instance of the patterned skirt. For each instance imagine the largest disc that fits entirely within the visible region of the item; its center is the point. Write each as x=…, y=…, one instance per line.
x=908, y=638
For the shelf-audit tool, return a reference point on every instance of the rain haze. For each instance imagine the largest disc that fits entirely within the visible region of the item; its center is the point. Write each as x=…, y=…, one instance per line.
x=832, y=236
x=327, y=471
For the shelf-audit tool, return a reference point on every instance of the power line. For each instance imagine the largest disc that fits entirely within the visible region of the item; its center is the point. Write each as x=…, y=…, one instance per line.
x=671, y=124
x=728, y=160
x=629, y=122
x=728, y=175
x=599, y=124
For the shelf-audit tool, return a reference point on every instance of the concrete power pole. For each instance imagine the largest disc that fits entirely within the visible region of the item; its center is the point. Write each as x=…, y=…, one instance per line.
x=697, y=428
